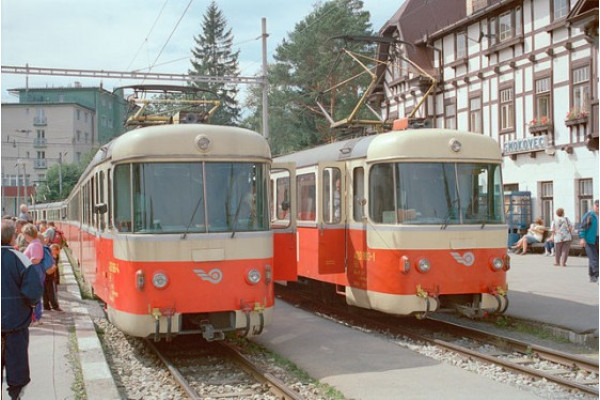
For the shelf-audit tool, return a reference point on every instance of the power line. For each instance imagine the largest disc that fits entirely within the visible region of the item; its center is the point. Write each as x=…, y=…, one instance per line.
x=172, y=32
x=145, y=41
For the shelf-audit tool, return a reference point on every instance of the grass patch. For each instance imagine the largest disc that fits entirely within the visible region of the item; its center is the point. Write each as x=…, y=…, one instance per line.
x=84, y=290
x=291, y=369
x=78, y=386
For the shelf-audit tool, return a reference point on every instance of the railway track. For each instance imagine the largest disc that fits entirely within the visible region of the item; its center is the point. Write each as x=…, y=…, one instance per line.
x=217, y=370
x=568, y=370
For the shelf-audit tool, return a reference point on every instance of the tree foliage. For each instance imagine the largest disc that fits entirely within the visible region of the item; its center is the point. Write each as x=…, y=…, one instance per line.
x=50, y=190
x=213, y=56
x=307, y=65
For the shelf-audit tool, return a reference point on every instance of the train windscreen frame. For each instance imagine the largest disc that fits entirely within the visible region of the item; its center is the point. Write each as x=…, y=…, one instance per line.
x=434, y=193
x=192, y=197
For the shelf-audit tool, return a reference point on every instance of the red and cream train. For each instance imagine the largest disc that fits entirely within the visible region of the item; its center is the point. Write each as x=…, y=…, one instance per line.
x=184, y=228
x=404, y=222
x=170, y=225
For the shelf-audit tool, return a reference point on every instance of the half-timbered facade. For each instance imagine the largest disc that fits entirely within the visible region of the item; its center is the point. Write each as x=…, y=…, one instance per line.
x=524, y=72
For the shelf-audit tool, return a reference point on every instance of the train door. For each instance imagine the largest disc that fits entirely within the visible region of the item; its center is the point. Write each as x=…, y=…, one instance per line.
x=283, y=221
x=331, y=192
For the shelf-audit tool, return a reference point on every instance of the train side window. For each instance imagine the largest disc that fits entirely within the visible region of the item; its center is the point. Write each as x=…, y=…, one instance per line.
x=306, y=197
x=122, y=191
x=109, y=199
x=283, y=198
x=332, y=200
x=358, y=191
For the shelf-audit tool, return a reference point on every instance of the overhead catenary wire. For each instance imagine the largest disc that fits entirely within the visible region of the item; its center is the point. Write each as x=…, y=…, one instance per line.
x=171, y=34
x=145, y=41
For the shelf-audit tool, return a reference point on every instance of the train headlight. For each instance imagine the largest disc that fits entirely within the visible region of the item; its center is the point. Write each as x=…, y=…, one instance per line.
x=160, y=280
x=140, y=279
x=423, y=265
x=497, y=263
x=404, y=265
x=455, y=145
x=253, y=276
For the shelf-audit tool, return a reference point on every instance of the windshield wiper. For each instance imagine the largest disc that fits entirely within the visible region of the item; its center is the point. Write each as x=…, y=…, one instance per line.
x=235, y=218
x=449, y=214
x=187, y=229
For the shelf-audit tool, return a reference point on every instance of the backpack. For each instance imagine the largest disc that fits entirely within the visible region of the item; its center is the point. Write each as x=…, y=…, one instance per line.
x=48, y=261
x=59, y=238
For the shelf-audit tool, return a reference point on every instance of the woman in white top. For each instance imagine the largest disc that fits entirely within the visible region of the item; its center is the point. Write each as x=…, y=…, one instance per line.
x=561, y=232
x=535, y=234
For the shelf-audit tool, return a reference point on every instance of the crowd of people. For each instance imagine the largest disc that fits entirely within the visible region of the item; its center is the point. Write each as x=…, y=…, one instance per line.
x=30, y=273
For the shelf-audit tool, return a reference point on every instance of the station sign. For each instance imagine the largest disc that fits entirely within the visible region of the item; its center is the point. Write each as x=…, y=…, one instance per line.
x=536, y=143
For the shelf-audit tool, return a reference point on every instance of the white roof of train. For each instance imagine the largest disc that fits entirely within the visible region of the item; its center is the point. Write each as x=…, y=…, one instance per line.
x=408, y=144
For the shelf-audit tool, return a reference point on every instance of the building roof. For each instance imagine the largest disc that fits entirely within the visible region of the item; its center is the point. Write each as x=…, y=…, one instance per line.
x=60, y=89
x=32, y=104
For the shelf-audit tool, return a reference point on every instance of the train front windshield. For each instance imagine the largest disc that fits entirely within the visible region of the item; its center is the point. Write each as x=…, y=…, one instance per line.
x=434, y=193
x=190, y=197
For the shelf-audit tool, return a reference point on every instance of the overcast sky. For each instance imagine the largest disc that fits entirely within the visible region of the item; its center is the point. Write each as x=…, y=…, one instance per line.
x=125, y=35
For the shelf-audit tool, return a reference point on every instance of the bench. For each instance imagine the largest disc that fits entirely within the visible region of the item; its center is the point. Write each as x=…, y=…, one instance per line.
x=574, y=250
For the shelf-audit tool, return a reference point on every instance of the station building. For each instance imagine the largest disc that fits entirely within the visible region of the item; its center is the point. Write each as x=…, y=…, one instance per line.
x=50, y=126
x=524, y=72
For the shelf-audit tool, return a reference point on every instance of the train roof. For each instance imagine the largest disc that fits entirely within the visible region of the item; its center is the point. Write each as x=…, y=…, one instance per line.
x=184, y=142
x=407, y=144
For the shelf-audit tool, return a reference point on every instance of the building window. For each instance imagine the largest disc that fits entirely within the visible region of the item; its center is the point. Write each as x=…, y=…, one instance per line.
x=547, y=203
x=585, y=196
x=86, y=135
x=41, y=155
x=78, y=136
x=475, y=116
x=505, y=26
x=450, y=112
x=40, y=133
x=461, y=45
x=581, y=88
x=561, y=8
x=78, y=113
x=507, y=109
x=542, y=100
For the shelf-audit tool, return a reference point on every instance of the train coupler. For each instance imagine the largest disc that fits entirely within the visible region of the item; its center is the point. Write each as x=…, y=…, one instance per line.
x=429, y=297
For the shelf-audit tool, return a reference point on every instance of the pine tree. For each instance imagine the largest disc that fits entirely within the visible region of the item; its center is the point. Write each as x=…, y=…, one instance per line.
x=213, y=56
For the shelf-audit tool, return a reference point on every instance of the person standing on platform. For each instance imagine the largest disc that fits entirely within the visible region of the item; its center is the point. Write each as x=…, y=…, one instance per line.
x=561, y=234
x=21, y=290
x=35, y=252
x=589, y=240
x=24, y=214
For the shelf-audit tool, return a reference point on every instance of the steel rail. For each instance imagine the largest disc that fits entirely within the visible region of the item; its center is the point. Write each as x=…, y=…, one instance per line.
x=459, y=349
x=545, y=353
x=276, y=386
x=179, y=378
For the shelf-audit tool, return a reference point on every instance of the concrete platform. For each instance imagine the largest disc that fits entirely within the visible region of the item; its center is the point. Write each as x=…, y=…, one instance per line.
x=554, y=296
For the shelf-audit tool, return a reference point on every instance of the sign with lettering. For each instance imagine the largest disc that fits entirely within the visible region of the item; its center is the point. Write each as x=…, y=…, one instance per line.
x=527, y=145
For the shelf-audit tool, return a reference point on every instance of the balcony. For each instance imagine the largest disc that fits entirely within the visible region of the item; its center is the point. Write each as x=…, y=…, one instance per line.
x=40, y=163
x=40, y=143
x=40, y=121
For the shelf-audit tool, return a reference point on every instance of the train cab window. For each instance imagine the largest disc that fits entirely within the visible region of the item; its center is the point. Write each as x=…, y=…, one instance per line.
x=122, y=191
x=332, y=200
x=436, y=193
x=358, y=190
x=306, y=197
